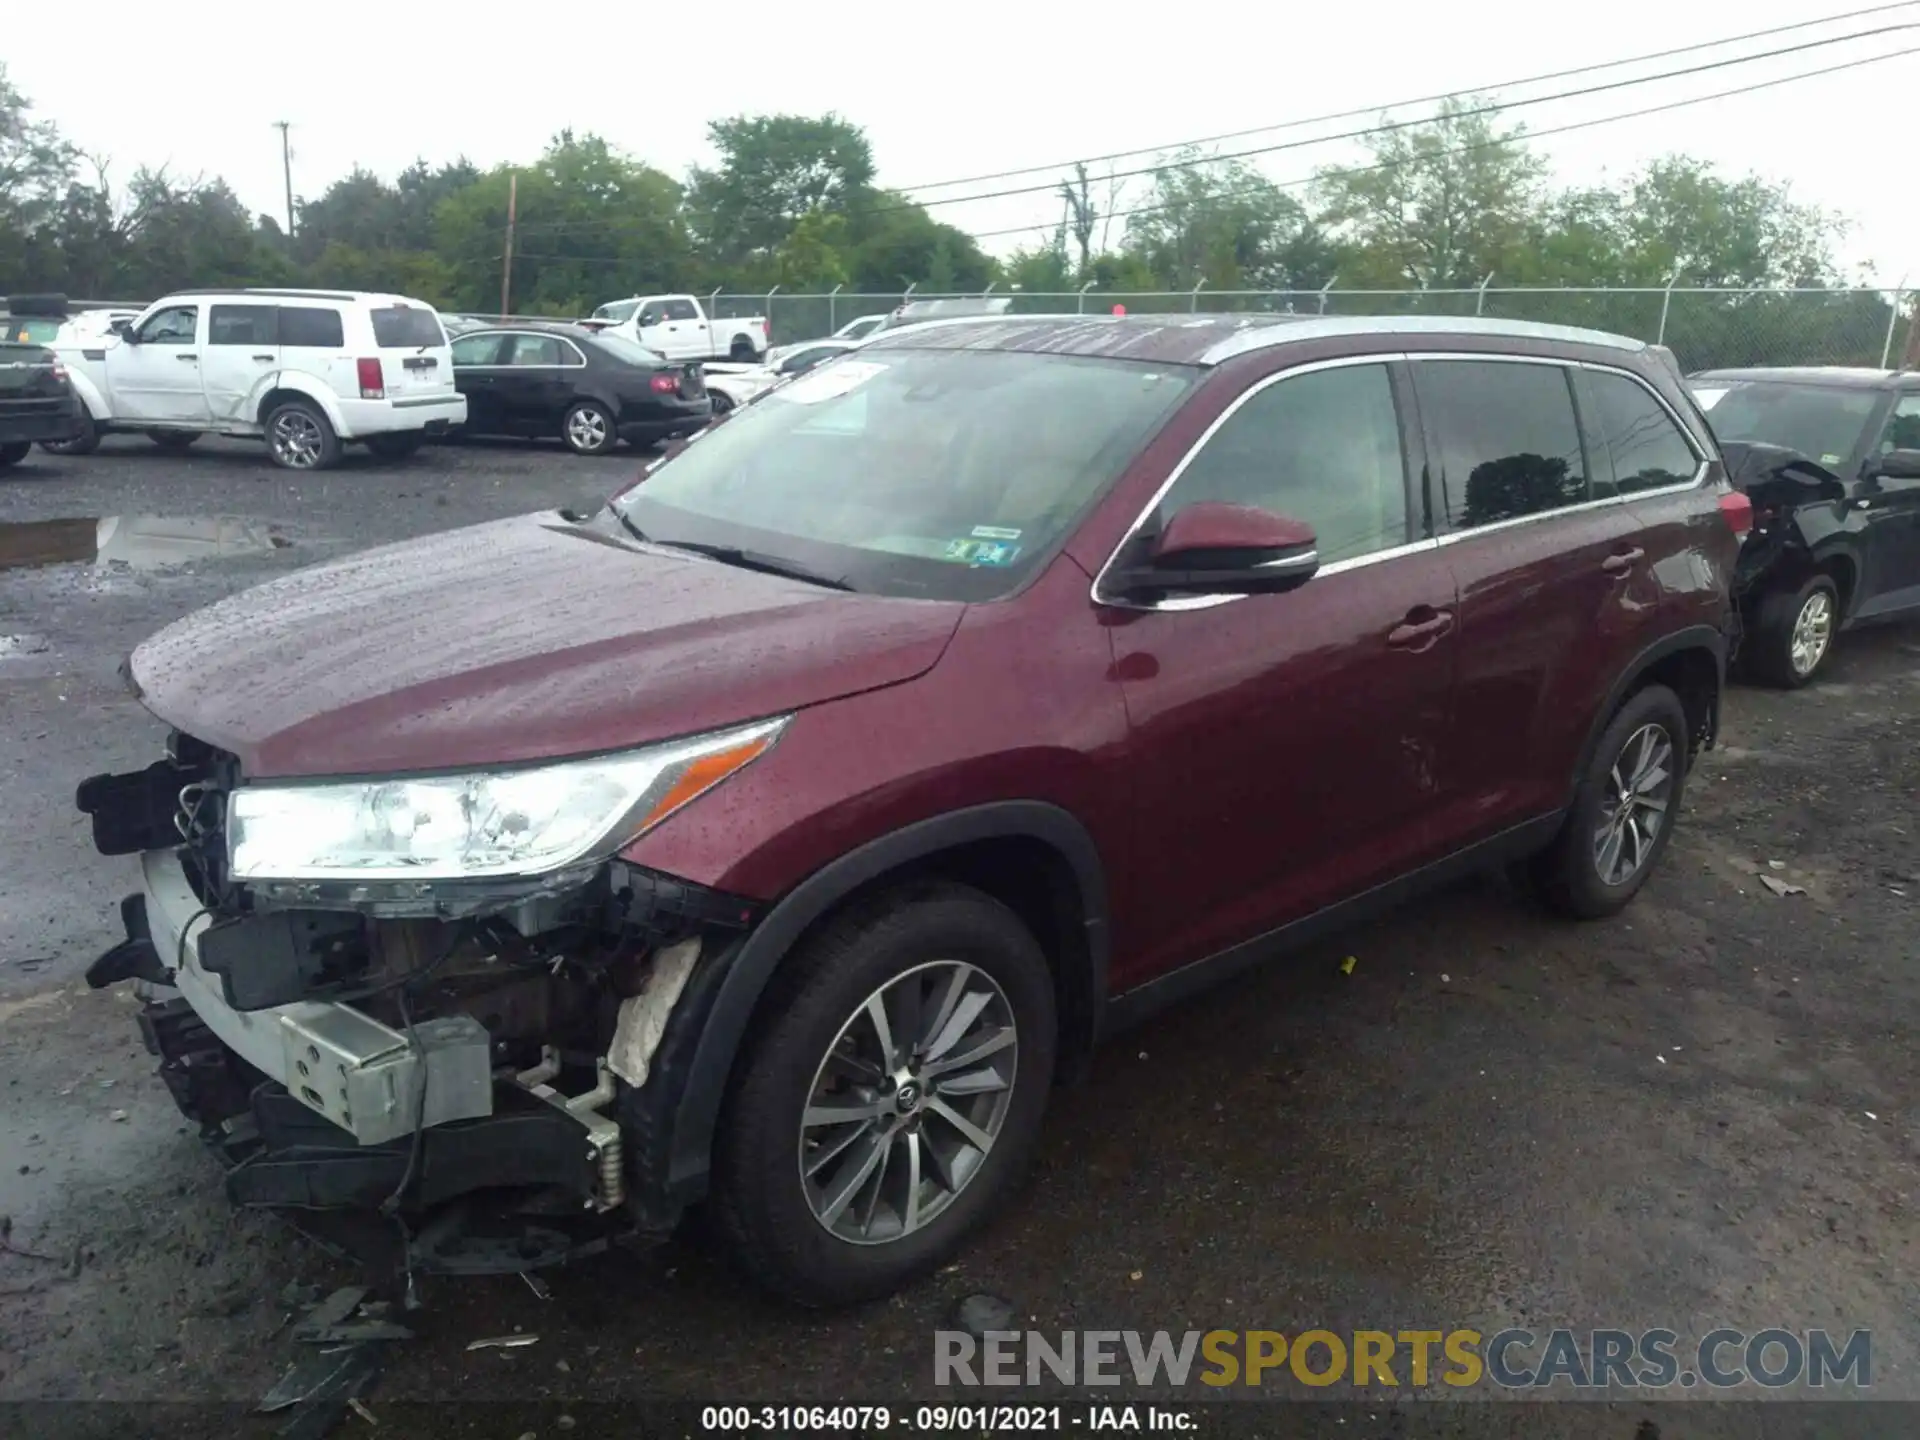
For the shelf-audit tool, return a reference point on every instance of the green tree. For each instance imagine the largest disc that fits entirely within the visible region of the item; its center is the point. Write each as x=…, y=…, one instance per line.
x=896, y=243
x=1224, y=222
x=36, y=167
x=1681, y=216
x=773, y=170
x=1441, y=205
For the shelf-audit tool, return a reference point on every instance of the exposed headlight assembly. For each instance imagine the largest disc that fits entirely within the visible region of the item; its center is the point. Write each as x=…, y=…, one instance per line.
x=478, y=825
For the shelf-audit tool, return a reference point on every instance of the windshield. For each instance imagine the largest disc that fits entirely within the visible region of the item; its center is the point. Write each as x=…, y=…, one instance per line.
x=617, y=311
x=1822, y=422
x=626, y=351
x=937, y=473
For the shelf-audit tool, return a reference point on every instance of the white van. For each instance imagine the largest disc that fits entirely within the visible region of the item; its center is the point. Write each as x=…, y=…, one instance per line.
x=307, y=370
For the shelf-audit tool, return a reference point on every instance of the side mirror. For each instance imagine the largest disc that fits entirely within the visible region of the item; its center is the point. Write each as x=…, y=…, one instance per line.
x=648, y=317
x=1212, y=548
x=1898, y=465
x=124, y=329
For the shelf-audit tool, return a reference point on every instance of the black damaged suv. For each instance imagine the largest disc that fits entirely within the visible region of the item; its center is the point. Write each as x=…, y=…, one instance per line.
x=1830, y=458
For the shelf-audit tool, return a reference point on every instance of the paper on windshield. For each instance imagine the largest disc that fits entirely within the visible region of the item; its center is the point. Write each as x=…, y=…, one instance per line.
x=829, y=382
x=1707, y=396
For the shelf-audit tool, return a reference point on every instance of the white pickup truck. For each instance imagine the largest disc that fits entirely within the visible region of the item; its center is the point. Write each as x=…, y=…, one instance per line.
x=677, y=327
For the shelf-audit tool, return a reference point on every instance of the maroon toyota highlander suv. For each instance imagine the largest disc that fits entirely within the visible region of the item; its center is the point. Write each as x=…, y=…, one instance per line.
x=778, y=835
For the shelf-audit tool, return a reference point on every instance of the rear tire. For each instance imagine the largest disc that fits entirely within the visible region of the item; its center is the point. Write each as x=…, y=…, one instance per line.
x=778, y=1173
x=722, y=402
x=12, y=454
x=1794, y=634
x=174, y=440
x=1608, y=847
x=85, y=443
x=589, y=429
x=299, y=437
x=397, y=447
x=741, y=351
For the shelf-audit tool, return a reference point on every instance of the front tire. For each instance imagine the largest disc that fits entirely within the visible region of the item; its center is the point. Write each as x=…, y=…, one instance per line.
x=890, y=1101
x=1795, y=633
x=14, y=453
x=85, y=443
x=589, y=429
x=300, y=438
x=722, y=403
x=1623, y=812
x=174, y=440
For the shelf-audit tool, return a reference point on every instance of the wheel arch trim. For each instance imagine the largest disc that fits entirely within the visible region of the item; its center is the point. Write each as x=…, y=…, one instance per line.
x=1695, y=637
x=745, y=976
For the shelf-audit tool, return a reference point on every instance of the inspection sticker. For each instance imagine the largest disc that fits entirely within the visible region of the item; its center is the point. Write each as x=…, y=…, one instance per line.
x=829, y=382
x=981, y=552
x=991, y=532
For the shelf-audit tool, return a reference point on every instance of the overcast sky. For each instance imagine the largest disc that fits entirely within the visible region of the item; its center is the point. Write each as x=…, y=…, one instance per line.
x=380, y=85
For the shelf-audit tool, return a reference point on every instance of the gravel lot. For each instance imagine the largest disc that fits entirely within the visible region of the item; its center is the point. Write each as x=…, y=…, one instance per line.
x=1700, y=1113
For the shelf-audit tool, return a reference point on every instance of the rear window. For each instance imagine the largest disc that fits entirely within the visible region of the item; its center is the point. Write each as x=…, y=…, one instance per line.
x=310, y=326
x=34, y=332
x=403, y=327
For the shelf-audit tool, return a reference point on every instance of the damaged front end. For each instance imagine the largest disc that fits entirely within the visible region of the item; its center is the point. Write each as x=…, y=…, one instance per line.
x=485, y=1058
x=1792, y=498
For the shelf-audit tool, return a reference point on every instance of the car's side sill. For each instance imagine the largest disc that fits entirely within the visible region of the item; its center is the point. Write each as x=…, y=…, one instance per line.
x=1144, y=1000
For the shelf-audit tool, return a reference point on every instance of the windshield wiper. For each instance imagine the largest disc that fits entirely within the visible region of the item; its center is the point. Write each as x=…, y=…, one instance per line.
x=632, y=529
x=752, y=560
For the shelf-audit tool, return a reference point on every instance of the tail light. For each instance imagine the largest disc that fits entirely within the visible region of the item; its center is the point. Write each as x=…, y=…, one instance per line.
x=664, y=384
x=373, y=384
x=59, y=371
x=1739, y=512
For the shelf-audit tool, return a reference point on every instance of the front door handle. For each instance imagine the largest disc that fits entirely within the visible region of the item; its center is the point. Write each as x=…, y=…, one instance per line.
x=1416, y=634
x=1623, y=562
x=186, y=357
x=267, y=358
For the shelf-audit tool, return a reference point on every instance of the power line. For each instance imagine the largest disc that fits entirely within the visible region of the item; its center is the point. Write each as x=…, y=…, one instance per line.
x=1421, y=100
x=559, y=227
x=1737, y=90
x=1532, y=135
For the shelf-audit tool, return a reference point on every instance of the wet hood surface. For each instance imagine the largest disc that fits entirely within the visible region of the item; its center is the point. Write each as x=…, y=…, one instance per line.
x=522, y=640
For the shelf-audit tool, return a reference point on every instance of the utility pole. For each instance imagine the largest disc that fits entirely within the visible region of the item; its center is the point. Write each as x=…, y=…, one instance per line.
x=286, y=167
x=506, y=265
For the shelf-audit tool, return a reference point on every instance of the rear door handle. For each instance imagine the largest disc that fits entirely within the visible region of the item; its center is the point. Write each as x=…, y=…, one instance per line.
x=1410, y=633
x=186, y=357
x=1623, y=562
x=267, y=358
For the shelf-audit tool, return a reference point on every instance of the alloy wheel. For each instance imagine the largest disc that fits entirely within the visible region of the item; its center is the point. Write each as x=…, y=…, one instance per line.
x=1639, y=789
x=1812, y=633
x=587, y=429
x=908, y=1102
x=296, y=440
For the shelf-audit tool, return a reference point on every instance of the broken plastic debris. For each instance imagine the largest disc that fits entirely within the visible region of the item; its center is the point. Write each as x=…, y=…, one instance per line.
x=116, y=1114
x=1346, y=965
x=1661, y=1058
x=1776, y=864
x=540, y=1288
x=1781, y=887
x=1446, y=979
x=1869, y=1114
x=503, y=1342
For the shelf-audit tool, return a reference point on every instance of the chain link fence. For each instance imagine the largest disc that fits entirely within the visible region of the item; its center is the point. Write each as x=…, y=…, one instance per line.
x=1706, y=329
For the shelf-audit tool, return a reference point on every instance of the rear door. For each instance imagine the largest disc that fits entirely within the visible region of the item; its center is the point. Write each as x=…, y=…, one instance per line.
x=415, y=359
x=1892, y=581
x=155, y=375
x=242, y=351
x=1554, y=590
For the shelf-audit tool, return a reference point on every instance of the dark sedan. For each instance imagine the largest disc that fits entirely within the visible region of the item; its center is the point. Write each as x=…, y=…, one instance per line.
x=36, y=401
x=591, y=390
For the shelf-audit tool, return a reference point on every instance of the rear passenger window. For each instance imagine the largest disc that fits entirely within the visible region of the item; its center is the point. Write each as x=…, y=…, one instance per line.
x=1323, y=447
x=1509, y=442
x=533, y=350
x=405, y=327
x=305, y=325
x=241, y=325
x=1648, y=449
x=681, y=310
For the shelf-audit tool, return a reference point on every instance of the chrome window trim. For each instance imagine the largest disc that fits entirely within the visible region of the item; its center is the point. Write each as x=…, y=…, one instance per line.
x=486, y=334
x=1452, y=537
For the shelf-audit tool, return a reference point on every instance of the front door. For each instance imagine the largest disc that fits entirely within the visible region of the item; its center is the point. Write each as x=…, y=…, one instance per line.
x=1556, y=588
x=156, y=376
x=1892, y=578
x=242, y=353
x=475, y=375
x=1284, y=750
x=532, y=387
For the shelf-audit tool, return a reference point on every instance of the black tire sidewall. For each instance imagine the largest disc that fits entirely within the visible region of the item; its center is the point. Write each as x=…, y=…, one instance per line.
x=11, y=455
x=763, y=1208
x=721, y=401
x=1574, y=881
x=85, y=443
x=566, y=427
x=1773, y=638
x=329, y=439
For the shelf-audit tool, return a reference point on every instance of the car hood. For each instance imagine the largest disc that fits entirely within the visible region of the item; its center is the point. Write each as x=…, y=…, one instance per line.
x=520, y=640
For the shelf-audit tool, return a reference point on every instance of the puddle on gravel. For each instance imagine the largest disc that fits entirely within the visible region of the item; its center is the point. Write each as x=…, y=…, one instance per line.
x=142, y=542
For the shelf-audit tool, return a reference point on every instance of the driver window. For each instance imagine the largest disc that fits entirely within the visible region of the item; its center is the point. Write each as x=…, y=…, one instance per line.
x=1903, y=426
x=1323, y=447
x=173, y=326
